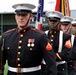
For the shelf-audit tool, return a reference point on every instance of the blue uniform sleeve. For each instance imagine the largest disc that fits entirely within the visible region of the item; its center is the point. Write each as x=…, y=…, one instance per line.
x=72, y=54
x=48, y=55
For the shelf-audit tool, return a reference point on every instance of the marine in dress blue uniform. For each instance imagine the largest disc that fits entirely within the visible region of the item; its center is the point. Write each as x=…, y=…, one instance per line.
x=61, y=49
x=66, y=27
x=25, y=47
x=73, y=65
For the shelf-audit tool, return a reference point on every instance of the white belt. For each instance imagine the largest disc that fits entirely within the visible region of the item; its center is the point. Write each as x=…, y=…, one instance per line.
x=20, y=70
x=60, y=62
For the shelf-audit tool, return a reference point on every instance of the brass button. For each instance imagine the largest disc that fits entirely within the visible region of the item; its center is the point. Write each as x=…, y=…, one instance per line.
x=52, y=35
x=18, y=64
x=20, y=41
x=63, y=68
x=18, y=30
x=50, y=31
x=55, y=32
x=51, y=40
x=24, y=30
x=8, y=48
x=30, y=48
x=19, y=47
x=18, y=59
x=18, y=52
x=21, y=35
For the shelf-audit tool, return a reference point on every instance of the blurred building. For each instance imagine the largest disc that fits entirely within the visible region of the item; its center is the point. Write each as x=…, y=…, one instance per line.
x=7, y=21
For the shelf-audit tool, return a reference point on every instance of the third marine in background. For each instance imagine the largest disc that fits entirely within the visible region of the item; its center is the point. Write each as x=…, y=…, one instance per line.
x=73, y=72
x=66, y=28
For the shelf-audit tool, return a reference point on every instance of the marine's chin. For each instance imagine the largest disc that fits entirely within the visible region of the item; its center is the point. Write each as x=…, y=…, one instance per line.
x=22, y=26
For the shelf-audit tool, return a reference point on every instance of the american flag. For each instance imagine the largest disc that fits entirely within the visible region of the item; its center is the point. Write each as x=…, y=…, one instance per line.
x=39, y=15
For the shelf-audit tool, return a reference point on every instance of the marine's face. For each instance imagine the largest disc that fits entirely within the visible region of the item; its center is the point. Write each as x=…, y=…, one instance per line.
x=65, y=28
x=22, y=19
x=53, y=24
x=74, y=28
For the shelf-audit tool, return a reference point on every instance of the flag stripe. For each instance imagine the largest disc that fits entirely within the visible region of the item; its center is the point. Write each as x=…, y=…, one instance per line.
x=57, y=7
x=63, y=7
x=39, y=15
x=67, y=9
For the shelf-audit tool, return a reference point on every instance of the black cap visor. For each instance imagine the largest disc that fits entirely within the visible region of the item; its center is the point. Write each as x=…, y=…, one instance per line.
x=53, y=18
x=74, y=24
x=23, y=11
x=65, y=23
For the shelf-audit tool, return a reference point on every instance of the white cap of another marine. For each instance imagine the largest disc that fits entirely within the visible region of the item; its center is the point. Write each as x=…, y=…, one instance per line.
x=74, y=22
x=66, y=19
x=54, y=15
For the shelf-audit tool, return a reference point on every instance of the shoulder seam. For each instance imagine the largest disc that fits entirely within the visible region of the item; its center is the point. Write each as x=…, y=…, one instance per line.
x=10, y=30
